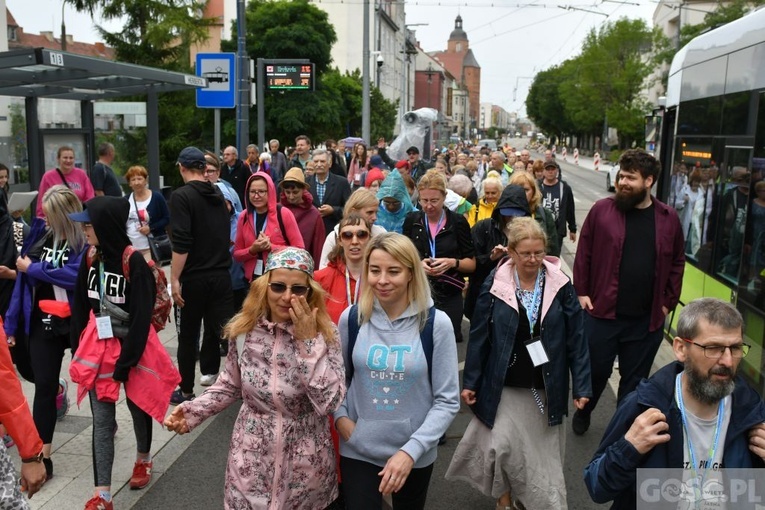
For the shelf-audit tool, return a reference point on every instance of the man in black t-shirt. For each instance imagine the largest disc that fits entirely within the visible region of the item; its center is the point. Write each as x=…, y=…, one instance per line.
x=628, y=274
x=102, y=177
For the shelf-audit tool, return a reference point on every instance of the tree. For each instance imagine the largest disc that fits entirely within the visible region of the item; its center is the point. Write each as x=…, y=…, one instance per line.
x=724, y=13
x=298, y=29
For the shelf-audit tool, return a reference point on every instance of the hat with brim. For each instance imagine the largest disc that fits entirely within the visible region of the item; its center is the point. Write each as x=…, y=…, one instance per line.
x=512, y=212
x=294, y=176
x=81, y=217
x=552, y=164
x=413, y=150
x=191, y=157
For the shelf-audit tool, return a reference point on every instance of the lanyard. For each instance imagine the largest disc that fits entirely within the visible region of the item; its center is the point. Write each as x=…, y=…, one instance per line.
x=713, y=447
x=255, y=223
x=532, y=306
x=432, y=239
x=348, y=289
x=57, y=254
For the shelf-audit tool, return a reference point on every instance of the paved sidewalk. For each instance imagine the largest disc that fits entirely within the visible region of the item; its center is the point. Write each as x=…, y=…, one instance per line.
x=72, y=483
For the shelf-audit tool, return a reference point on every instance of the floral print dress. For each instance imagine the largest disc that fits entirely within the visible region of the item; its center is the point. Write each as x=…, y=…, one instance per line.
x=281, y=453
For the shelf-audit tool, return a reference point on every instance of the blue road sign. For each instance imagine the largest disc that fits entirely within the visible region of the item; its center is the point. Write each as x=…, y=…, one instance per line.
x=220, y=71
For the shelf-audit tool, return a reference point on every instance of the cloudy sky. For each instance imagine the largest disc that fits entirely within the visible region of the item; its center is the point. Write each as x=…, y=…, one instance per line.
x=512, y=41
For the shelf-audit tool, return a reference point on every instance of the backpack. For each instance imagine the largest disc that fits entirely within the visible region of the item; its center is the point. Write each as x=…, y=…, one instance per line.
x=426, y=338
x=162, y=303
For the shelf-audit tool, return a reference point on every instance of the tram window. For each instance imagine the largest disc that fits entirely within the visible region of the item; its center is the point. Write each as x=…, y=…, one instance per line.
x=736, y=109
x=753, y=280
x=734, y=203
x=700, y=117
x=692, y=194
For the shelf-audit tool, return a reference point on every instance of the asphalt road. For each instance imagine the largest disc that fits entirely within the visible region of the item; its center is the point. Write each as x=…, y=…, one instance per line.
x=195, y=480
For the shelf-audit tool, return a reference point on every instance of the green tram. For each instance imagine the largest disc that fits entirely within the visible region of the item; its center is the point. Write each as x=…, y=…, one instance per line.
x=712, y=153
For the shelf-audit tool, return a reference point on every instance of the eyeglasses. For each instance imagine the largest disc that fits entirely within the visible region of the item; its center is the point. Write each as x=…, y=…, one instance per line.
x=537, y=255
x=718, y=351
x=359, y=234
x=259, y=192
x=210, y=172
x=281, y=288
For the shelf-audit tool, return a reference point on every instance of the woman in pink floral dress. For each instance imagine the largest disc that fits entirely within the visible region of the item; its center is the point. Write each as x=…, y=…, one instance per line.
x=285, y=362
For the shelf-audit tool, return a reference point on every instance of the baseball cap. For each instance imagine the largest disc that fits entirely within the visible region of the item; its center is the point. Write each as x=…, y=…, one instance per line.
x=191, y=157
x=413, y=150
x=552, y=163
x=512, y=211
x=81, y=217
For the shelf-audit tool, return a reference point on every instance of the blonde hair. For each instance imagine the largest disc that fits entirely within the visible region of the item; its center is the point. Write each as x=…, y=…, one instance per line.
x=521, y=229
x=58, y=203
x=433, y=179
x=255, y=306
x=402, y=250
x=360, y=199
x=525, y=178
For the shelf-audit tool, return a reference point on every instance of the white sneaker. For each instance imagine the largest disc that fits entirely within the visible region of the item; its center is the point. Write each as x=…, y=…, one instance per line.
x=208, y=380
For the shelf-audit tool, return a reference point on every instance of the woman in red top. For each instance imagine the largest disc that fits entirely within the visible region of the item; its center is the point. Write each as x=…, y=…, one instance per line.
x=346, y=260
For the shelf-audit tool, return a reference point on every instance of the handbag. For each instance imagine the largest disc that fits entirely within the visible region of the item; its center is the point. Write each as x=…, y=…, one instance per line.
x=160, y=246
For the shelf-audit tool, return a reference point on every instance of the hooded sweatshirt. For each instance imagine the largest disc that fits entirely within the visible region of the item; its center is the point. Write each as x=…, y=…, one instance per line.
x=393, y=187
x=246, y=229
x=108, y=215
x=309, y=223
x=395, y=403
x=199, y=226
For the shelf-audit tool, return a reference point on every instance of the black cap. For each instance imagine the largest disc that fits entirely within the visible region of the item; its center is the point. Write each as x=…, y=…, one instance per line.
x=413, y=150
x=191, y=157
x=553, y=163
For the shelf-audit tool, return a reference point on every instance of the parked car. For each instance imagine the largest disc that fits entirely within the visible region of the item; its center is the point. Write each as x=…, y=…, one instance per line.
x=611, y=176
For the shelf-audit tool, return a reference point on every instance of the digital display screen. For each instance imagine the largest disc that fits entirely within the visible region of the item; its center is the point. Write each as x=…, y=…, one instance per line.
x=290, y=77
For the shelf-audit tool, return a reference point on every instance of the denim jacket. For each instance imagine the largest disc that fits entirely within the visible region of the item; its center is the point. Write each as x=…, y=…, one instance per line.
x=492, y=338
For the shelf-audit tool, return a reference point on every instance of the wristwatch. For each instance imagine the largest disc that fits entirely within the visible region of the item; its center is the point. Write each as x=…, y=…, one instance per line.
x=36, y=458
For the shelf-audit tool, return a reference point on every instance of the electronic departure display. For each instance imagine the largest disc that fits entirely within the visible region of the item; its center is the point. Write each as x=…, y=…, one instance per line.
x=290, y=76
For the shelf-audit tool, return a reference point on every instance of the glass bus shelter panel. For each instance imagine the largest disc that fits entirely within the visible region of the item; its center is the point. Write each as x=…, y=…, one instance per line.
x=733, y=195
x=752, y=288
x=692, y=194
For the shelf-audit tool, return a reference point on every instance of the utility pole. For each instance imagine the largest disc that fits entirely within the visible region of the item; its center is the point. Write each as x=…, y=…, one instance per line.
x=63, y=28
x=243, y=85
x=366, y=110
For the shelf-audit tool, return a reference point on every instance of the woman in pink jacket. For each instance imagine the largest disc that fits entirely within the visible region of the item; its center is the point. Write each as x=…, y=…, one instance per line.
x=285, y=363
x=263, y=226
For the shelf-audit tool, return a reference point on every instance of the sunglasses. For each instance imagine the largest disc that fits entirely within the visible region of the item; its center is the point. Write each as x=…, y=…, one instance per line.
x=281, y=288
x=359, y=234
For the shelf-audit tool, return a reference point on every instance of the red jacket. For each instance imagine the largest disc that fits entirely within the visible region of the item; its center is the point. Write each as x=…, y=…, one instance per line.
x=149, y=385
x=14, y=410
x=599, y=254
x=332, y=280
x=245, y=229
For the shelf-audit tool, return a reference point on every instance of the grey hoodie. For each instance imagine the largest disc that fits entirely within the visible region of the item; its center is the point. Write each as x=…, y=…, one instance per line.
x=390, y=397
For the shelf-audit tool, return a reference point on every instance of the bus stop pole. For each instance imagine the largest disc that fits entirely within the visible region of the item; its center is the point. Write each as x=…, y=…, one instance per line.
x=259, y=87
x=152, y=139
x=217, y=132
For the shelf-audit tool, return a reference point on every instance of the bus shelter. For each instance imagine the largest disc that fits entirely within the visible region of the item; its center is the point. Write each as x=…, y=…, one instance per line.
x=36, y=73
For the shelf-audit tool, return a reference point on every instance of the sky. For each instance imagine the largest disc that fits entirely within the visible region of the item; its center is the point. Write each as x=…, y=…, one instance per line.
x=511, y=41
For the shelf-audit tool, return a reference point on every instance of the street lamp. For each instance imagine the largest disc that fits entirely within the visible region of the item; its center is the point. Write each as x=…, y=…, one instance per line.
x=430, y=72
x=63, y=28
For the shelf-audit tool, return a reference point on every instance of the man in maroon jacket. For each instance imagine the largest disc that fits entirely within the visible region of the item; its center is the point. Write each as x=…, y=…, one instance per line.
x=628, y=272
x=296, y=197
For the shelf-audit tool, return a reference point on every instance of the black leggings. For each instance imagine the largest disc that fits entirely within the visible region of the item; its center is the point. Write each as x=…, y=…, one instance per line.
x=104, y=427
x=361, y=487
x=46, y=354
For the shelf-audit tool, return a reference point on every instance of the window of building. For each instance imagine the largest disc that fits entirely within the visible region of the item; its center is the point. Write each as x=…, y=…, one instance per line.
x=11, y=33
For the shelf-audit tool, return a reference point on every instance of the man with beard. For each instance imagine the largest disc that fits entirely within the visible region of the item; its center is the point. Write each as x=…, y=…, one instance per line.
x=694, y=413
x=628, y=272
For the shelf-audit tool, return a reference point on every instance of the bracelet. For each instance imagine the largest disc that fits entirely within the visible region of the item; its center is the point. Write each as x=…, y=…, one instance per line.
x=457, y=263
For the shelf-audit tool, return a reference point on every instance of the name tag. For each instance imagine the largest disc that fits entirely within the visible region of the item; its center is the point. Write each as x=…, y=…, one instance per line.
x=537, y=351
x=258, y=267
x=104, y=327
x=60, y=294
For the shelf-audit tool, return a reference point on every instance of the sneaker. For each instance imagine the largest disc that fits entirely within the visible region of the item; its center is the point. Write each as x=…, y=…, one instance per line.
x=99, y=503
x=141, y=475
x=8, y=441
x=179, y=398
x=208, y=380
x=580, y=423
x=62, y=400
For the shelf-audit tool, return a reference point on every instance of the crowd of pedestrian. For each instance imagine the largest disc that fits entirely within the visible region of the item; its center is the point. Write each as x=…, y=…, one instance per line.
x=333, y=281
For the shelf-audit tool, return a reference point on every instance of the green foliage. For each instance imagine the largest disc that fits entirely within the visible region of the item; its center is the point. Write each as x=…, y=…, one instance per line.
x=18, y=133
x=298, y=29
x=604, y=81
